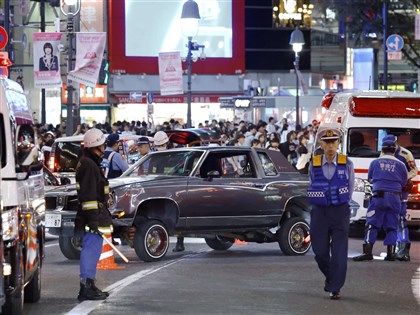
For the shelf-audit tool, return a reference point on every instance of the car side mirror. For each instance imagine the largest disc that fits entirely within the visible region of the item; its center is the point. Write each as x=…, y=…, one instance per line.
x=65, y=181
x=212, y=174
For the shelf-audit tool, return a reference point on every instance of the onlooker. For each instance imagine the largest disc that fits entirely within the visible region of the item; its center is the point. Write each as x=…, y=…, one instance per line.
x=332, y=180
x=250, y=135
x=271, y=128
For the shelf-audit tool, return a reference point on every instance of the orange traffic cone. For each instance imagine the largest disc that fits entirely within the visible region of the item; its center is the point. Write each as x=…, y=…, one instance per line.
x=106, y=261
x=239, y=242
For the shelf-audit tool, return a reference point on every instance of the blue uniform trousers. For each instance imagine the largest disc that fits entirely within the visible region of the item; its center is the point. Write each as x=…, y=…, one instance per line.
x=91, y=251
x=402, y=232
x=329, y=238
x=383, y=212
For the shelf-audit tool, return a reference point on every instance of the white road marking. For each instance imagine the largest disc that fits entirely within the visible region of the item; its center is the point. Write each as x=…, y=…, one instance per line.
x=50, y=245
x=415, y=285
x=86, y=307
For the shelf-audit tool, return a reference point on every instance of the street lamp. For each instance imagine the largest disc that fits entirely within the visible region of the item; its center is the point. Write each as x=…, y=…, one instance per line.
x=189, y=19
x=297, y=41
x=70, y=8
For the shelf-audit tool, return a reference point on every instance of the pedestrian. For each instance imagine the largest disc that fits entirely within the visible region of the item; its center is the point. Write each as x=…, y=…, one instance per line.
x=93, y=216
x=113, y=163
x=332, y=182
x=388, y=176
x=143, y=147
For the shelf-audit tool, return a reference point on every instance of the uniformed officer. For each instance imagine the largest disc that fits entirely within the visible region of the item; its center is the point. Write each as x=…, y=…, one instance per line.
x=113, y=163
x=93, y=216
x=403, y=240
x=388, y=176
x=332, y=182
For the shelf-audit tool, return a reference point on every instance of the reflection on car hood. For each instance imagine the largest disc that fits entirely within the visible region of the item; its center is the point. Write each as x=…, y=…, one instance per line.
x=113, y=183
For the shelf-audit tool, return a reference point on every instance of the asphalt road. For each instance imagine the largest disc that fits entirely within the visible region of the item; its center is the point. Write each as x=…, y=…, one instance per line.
x=246, y=279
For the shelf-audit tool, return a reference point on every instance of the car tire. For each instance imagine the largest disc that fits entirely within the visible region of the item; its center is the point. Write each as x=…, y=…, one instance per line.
x=219, y=243
x=14, y=299
x=70, y=247
x=33, y=288
x=151, y=241
x=293, y=237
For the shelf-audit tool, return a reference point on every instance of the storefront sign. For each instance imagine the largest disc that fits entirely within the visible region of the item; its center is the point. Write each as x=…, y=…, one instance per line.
x=124, y=98
x=88, y=95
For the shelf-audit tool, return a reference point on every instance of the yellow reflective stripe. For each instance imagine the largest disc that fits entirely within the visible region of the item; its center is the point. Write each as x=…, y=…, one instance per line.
x=341, y=159
x=102, y=229
x=90, y=205
x=317, y=160
x=77, y=186
x=106, y=189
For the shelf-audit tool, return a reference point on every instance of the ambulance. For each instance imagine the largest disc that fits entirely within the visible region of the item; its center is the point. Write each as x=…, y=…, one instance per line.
x=364, y=118
x=22, y=205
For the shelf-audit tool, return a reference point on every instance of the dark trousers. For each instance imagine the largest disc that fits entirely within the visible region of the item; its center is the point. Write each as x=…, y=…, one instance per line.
x=329, y=237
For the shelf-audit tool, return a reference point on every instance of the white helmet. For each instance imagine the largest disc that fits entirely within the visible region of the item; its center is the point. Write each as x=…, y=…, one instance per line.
x=93, y=138
x=160, y=138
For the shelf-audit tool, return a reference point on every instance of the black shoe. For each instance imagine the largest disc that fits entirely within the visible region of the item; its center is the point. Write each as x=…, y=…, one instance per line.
x=326, y=283
x=88, y=291
x=178, y=248
x=367, y=253
x=404, y=252
x=335, y=295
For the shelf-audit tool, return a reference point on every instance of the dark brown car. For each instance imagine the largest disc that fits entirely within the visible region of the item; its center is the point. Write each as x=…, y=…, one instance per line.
x=217, y=193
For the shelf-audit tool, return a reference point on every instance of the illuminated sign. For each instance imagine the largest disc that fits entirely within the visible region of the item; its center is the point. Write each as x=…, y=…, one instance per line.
x=242, y=103
x=88, y=94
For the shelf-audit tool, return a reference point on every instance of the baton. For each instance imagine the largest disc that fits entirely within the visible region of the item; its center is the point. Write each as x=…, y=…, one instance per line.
x=113, y=247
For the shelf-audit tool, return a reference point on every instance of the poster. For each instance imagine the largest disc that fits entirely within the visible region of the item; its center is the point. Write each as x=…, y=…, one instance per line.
x=46, y=60
x=170, y=73
x=90, y=49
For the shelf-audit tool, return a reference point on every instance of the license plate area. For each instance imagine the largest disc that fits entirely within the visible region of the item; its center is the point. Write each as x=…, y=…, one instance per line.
x=52, y=220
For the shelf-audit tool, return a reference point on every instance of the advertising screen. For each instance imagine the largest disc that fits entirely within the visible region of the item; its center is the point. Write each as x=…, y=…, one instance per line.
x=139, y=30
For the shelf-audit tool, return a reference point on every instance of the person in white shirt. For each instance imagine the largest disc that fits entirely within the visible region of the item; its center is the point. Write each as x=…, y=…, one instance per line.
x=271, y=128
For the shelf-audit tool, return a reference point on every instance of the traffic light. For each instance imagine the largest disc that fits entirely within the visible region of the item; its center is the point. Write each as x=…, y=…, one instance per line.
x=104, y=72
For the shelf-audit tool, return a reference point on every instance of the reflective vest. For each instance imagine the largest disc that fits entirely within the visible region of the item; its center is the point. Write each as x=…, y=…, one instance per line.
x=326, y=192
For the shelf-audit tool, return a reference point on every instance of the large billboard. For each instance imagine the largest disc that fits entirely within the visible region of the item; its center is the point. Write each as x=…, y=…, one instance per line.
x=140, y=29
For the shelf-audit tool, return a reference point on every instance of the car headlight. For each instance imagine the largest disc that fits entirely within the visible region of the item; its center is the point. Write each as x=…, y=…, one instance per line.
x=359, y=184
x=10, y=224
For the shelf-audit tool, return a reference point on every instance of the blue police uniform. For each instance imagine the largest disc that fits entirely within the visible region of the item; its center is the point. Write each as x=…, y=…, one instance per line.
x=388, y=176
x=329, y=194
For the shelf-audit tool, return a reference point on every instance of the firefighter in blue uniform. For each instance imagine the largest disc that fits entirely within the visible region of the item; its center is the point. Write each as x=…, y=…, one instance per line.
x=93, y=216
x=388, y=176
x=403, y=240
x=332, y=182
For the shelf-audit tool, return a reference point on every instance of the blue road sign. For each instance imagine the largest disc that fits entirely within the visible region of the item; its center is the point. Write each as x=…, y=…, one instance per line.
x=394, y=42
x=136, y=96
x=150, y=97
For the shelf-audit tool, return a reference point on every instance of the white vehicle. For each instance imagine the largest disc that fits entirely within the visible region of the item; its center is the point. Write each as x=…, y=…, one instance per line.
x=364, y=119
x=66, y=153
x=22, y=201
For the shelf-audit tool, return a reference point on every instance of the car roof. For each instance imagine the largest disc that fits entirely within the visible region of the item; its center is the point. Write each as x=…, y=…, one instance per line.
x=79, y=138
x=192, y=135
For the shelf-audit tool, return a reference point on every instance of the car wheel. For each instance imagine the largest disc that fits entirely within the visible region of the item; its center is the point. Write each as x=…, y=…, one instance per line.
x=14, y=286
x=219, y=243
x=33, y=288
x=70, y=247
x=151, y=241
x=293, y=237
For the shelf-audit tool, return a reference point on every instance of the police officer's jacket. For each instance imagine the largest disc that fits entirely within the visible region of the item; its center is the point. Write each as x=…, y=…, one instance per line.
x=327, y=192
x=93, y=191
x=387, y=173
x=106, y=164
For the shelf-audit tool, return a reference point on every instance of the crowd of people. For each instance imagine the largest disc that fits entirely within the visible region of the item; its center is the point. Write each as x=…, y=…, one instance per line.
x=294, y=143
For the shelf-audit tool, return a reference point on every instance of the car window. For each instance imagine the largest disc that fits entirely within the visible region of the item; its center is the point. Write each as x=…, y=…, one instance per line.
x=228, y=164
x=267, y=164
x=67, y=155
x=367, y=142
x=170, y=162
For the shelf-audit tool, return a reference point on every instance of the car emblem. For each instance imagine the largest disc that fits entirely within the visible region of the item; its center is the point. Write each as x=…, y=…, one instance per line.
x=60, y=201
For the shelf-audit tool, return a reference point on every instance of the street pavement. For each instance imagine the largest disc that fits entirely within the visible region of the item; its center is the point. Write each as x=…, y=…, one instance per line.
x=246, y=279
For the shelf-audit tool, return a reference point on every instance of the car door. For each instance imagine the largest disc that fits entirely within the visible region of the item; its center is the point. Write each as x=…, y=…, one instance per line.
x=232, y=199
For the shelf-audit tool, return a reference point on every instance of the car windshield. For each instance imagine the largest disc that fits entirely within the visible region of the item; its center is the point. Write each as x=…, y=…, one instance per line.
x=171, y=162
x=367, y=142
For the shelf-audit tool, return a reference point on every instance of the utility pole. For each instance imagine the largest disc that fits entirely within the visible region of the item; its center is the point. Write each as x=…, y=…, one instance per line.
x=385, y=35
x=43, y=98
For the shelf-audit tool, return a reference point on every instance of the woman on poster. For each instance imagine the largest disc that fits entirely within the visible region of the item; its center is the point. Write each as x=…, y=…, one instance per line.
x=48, y=62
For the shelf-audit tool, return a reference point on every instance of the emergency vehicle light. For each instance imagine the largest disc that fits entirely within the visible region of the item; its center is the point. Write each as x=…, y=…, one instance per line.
x=397, y=107
x=327, y=99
